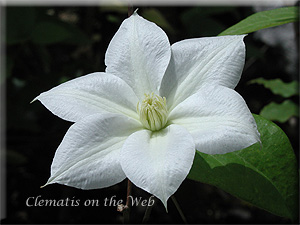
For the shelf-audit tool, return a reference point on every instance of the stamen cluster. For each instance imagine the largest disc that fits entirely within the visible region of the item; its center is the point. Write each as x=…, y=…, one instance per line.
x=153, y=112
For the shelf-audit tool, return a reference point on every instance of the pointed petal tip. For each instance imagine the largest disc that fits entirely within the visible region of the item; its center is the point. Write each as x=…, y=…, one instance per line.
x=51, y=180
x=243, y=36
x=166, y=205
x=135, y=12
x=36, y=98
x=258, y=140
x=260, y=144
x=44, y=185
x=164, y=201
x=240, y=36
x=236, y=35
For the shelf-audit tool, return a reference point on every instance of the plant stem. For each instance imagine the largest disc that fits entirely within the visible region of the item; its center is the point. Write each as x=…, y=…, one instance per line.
x=129, y=188
x=130, y=10
x=179, y=209
x=148, y=211
x=126, y=211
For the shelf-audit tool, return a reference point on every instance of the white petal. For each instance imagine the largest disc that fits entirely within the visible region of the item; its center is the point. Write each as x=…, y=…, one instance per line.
x=215, y=60
x=139, y=53
x=159, y=161
x=90, y=94
x=218, y=119
x=88, y=156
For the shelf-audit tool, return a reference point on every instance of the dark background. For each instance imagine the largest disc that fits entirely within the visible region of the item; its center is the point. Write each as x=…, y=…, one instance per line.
x=49, y=45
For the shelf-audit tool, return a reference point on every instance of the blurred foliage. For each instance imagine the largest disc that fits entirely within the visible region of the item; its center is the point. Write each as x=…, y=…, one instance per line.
x=284, y=111
x=48, y=45
x=281, y=112
x=40, y=28
x=278, y=87
x=157, y=17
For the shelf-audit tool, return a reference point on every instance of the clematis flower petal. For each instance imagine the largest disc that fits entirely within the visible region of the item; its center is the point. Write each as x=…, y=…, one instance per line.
x=139, y=53
x=88, y=156
x=194, y=62
x=218, y=119
x=159, y=161
x=90, y=94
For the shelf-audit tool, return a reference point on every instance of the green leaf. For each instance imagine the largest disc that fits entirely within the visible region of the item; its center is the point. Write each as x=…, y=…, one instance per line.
x=200, y=21
x=78, y=37
x=266, y=176
x=51, y=32
x=204, y=27
x=155, y=16
x=264, y=19
x=280, y=112
x=278, y=87
x=113, y=19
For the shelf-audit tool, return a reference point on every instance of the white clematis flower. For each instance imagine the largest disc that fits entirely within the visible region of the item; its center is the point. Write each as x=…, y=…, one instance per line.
x=144, y=117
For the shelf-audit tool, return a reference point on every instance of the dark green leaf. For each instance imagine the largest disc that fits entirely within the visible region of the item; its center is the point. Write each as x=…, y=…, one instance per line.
x=199, y=21
x=156, y=16
x=204, y=27
x=278, y=87
x=266, y=176
x=78, y=37
x=264, y=19
x=50, y=32
x=280, y=112
x=113, y=19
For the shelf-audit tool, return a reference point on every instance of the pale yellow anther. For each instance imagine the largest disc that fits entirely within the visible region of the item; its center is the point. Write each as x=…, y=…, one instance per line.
x=153, y=112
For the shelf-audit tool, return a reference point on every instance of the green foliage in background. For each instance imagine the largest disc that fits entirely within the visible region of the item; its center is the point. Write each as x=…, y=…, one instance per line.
x=278, y=87
x=280, y=112
x=156, y=16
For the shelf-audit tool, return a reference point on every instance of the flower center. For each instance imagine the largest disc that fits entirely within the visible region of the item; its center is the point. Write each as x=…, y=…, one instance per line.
x=153, y=112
